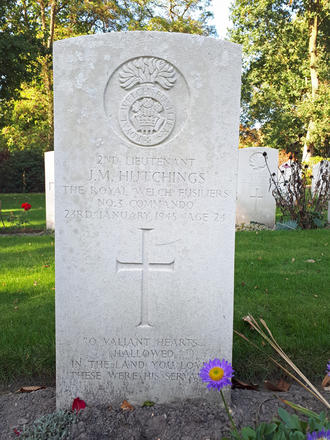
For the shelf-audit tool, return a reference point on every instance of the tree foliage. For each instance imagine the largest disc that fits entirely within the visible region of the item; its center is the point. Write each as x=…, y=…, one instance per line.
x=28, y=29
x=27, y=124
x=17, y=51
x=285, y=77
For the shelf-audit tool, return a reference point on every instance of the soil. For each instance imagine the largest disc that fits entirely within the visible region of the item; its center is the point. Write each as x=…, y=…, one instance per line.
x=188, y=420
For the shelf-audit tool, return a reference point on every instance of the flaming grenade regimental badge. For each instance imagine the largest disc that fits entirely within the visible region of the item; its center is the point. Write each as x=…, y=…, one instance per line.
x=146, y=114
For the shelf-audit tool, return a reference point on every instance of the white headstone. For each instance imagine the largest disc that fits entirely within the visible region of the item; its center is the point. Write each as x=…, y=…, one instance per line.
x=255, y=202
x=49, y=190
x=146, y=154
x=321, y=170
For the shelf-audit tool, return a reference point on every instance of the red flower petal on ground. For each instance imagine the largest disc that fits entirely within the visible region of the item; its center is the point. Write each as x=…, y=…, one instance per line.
x=78, y=404
x=16, y=432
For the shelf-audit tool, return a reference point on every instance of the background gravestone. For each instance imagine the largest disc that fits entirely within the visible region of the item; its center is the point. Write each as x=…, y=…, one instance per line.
x=318, y=169
x=255, y=202
x=146, y=158
x=49, y=190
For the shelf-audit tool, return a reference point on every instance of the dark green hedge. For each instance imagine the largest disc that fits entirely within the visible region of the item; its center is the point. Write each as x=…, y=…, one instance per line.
x=22, y=171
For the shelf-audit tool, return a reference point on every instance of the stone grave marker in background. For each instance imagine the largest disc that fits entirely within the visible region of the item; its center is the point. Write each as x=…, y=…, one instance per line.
x=318, y=170
x=255, y=202
x=50, y=190
x=146, y=159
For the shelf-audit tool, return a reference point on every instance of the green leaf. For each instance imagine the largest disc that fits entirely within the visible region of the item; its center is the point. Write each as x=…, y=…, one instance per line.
x=298, y=436
x=291, y=420
x=319, y=422
x=248, y=433
x=269, y=428
x=148, y=403
x=279, y=436
x=264, y=430
x=319, y=223
x=301, y=409
x=290, y=224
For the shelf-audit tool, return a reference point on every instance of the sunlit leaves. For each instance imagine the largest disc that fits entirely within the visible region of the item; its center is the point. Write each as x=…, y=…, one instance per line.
x=276, y=93
x=26, y=37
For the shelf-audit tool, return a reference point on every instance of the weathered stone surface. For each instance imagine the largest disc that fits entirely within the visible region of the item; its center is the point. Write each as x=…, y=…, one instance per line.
x=49, y=190
x=146, y=156
x=255, y=202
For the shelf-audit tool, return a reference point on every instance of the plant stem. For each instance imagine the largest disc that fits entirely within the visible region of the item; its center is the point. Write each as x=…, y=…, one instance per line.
x=229, y=415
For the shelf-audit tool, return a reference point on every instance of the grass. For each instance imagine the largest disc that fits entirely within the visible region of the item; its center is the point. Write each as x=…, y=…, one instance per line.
x=27, y=342
x=11, y=209
x=273, y=280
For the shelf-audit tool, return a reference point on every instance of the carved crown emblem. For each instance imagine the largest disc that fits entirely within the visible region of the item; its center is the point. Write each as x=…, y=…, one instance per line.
x=147, y=116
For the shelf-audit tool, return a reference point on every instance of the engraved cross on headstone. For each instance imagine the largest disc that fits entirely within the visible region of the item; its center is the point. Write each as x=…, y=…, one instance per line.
x=256, y=197
x=145, y=266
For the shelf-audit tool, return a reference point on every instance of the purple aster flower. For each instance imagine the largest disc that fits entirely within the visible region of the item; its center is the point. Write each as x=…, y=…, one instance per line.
x=319, y=435
x=216, y=373
x=328, y=367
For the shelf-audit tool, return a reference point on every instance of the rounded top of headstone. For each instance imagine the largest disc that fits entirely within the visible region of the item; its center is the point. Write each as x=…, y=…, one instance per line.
x=249, y=150
x=151, y=35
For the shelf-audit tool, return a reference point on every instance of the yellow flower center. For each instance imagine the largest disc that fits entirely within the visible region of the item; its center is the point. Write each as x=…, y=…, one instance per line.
x=216, y=373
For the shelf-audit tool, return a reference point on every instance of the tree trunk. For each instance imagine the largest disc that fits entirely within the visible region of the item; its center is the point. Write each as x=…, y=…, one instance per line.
x=46, y=65
x=312, y=51
x=49, y=84
x=52, y=24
